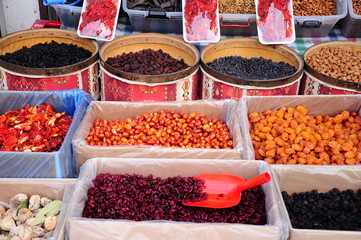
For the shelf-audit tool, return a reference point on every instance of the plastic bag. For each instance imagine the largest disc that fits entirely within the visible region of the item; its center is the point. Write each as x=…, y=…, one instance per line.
x=57, y=164
x=78, y=227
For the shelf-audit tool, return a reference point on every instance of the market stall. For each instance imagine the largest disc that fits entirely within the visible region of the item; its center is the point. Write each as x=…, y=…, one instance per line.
x=111, y=138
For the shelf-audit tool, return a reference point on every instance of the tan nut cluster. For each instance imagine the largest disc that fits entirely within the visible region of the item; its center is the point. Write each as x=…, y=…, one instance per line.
x=356, y=4
x=314, y=7
x=237, y=6
x=337, y=62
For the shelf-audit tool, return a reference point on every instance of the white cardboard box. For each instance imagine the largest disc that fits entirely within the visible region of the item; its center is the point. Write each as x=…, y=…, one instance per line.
x=84, y=228
x=296, y=179
x=223, y=110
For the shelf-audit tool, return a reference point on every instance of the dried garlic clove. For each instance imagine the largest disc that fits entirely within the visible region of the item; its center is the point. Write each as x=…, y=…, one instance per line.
x=7, y=223
x=34, y=202
x=17, y=199
x=44, y=201
x=24, y=214
x=50, y=223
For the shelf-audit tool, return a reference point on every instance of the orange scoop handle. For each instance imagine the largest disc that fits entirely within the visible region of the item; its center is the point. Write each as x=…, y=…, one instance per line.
x=254, y=182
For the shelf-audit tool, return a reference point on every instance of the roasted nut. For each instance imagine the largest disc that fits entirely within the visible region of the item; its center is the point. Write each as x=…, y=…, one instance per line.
x=7, y=223
x=34, y=202
x=337, y=62
x=24, y=214
x=17, y=199
x=314, y=7
x=44, y=201
x=50, y=223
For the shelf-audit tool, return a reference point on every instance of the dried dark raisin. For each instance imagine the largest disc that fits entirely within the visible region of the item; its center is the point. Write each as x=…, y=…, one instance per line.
x=147, y=62
x=47, y=55
x=251, y=69
x=334, y=210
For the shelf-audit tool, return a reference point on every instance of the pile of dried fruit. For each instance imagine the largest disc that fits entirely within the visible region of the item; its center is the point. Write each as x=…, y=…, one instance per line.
x=314, y=7
x=333, y=210
x=291, y=136
x=337, y=62
x=139, y=198
x=163, y=128
x=33, y=129
x=29, y=218
x=47, y=55
x=147, y=62
x=237, y=6
x=251, y=69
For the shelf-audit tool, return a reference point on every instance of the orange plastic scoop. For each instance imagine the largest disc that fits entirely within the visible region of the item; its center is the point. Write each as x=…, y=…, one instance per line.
x=225, y=190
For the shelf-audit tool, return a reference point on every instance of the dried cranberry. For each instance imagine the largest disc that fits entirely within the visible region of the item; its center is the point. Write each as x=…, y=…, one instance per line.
x=140, y=198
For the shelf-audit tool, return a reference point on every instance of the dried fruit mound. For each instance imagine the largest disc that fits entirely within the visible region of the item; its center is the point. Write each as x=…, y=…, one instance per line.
x=291, y=136
x=139, y=198
x=251, y=69
x=147, y=62
x=47, y=55
x=333, y=210
x=163, y=128
x=33, y=129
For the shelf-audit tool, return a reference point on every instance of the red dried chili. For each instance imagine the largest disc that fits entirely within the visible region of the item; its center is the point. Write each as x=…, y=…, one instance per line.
x=275, y=20
x=99, y=19
x=201, y=20
x=33, y=129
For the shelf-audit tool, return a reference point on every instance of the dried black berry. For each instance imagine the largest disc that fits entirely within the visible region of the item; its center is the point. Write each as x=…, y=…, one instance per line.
x=47, y=55
x=334, y=210
x=251, y=69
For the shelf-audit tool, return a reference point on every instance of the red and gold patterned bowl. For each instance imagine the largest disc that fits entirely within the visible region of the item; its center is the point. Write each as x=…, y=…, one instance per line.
x=119, y=85
x=83, y=75
x=216, y=85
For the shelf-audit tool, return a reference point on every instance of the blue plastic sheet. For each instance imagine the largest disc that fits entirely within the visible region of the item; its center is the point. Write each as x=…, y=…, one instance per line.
x=59, y=164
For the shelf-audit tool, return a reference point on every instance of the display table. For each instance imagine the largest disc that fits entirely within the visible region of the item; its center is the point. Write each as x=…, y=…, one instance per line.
x=300, y=45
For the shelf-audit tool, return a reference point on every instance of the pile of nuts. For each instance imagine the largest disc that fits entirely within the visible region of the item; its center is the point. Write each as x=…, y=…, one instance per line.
x=356, y=4
x=291, y=136
x=29, y=218
x=237, y=6
x=163, y=128
x=314, y=7
x=337, y=62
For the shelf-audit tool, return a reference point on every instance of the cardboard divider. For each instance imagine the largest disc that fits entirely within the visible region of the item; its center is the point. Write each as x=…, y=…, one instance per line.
x=223, y=110
x=296, y=179
x=83, y=228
